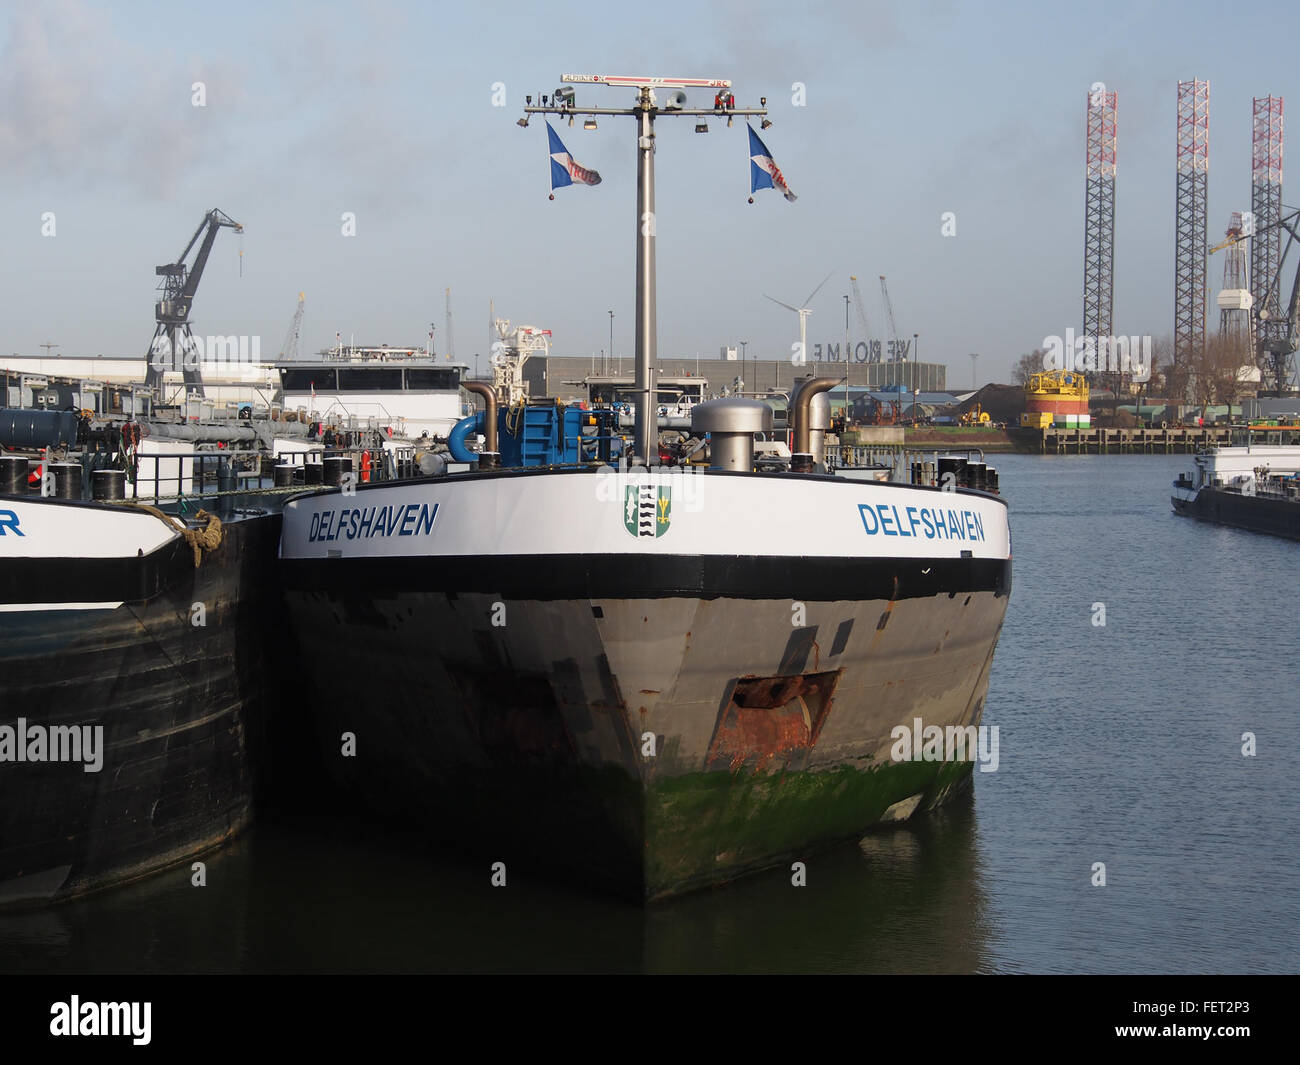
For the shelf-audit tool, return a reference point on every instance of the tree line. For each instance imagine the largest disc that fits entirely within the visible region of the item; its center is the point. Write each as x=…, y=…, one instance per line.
x=1218, y=375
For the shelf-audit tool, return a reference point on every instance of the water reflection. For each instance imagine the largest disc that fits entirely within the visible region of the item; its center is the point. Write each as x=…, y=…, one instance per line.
x=904, y=899
x=1118, y=744
x=294, y=896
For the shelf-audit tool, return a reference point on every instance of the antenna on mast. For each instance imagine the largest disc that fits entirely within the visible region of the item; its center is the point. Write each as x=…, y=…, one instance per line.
x=645, y=111
x=451, y=347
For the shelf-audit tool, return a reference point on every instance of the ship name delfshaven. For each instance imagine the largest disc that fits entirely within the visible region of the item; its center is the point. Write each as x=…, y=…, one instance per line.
x=933, y=523
x=356, y=522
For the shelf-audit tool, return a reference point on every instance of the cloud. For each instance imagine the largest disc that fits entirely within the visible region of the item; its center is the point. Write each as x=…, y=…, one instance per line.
x=87, y=108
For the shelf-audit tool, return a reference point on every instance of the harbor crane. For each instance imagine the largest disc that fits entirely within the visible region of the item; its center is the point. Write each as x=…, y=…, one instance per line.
x=895, y=354
x=1234, y=237
x=172, y=340
x=289, y=349
x=1279, y=344
x=451, y=345
x=872, y=356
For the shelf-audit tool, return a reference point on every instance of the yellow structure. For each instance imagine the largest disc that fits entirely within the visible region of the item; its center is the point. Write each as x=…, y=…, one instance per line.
x=1056, y=398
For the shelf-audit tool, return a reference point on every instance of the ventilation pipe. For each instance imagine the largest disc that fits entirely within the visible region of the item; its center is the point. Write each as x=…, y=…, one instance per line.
x=731, y=425
x=489, y=457
x=811, y=420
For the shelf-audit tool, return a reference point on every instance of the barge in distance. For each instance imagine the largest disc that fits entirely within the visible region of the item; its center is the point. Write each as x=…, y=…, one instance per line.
x=1253, y=486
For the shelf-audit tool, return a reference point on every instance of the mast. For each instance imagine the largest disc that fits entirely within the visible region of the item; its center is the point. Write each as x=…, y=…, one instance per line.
x=645, y=111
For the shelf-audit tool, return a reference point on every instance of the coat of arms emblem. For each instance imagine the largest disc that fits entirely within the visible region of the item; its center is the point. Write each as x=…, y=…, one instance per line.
x=647, y=509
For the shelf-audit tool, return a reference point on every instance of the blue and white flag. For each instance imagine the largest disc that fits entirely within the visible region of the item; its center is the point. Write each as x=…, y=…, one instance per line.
x=763, y=171
x=564, y=171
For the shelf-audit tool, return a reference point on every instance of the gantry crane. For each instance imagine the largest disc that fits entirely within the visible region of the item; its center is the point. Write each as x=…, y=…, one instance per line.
x=172, y=339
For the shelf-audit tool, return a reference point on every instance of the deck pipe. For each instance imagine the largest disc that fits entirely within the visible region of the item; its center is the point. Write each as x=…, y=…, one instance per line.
x=801, y=456
x=458, y=438
x=489, y=457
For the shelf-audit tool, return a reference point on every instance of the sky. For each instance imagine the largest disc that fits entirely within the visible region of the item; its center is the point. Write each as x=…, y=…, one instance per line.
x=386, y=111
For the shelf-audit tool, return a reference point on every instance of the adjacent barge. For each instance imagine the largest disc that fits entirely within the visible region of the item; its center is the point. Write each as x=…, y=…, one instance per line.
x=134, y=654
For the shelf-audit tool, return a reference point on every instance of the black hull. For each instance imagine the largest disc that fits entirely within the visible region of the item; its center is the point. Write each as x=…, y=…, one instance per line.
x=1261, y=514
x=182, y=708
x=524, y=742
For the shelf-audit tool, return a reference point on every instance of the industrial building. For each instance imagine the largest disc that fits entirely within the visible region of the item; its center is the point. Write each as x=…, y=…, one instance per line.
x=563, y=376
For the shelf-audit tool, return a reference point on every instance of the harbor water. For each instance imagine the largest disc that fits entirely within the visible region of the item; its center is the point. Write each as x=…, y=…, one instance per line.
x=1138, y=652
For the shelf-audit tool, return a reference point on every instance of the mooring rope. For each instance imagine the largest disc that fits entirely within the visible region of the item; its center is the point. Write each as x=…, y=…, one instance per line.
x=207, y=538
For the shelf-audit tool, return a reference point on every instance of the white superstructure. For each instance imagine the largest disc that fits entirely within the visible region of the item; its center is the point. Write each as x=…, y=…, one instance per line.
x=405, y=389
x=224, y=381
x=1239, y=466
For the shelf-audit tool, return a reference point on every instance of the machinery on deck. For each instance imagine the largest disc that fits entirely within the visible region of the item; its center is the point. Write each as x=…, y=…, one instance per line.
x=510, y=351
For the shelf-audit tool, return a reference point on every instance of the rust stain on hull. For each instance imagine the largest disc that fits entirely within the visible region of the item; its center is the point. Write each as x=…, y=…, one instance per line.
x=770, y=718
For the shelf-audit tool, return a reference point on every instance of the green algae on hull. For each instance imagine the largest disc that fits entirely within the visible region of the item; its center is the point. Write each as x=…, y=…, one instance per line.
x=706, y=828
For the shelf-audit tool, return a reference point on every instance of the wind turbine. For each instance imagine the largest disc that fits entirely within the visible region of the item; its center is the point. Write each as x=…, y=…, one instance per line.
x=803, y=313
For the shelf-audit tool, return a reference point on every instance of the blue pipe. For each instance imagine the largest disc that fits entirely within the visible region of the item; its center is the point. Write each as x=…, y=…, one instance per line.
x=459, y=431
